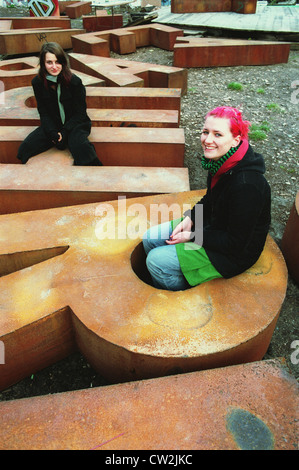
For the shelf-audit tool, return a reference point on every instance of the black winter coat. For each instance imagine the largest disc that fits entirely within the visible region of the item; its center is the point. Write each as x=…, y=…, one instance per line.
x=73, y=98
x=236, y=216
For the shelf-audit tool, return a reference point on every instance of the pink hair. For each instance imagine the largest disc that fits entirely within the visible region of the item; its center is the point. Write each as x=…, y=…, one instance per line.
x=237, y=125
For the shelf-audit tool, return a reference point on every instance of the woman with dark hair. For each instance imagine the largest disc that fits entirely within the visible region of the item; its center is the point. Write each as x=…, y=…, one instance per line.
x=61, y=103
x=235, y=212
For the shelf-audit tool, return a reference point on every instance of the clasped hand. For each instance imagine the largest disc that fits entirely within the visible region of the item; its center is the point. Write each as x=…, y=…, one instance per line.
x=182, y=232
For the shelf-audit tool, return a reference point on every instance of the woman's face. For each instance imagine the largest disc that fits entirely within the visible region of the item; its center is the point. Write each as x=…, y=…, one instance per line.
x=52, y=65
x=216, y=137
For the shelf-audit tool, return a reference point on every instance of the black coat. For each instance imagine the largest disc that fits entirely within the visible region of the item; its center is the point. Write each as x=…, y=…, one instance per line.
x=236, y=216
x=73, y=98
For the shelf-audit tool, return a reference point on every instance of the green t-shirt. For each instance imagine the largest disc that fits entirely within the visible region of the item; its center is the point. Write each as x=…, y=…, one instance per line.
x=194, y=261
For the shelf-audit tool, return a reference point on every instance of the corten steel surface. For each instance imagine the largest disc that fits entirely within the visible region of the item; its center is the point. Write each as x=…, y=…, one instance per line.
x=15, y=111
x=126, y=73
x=72, y=278
x=37, y=22
x=205, y=6
x=126, y=40
x=64, y=3
x=102, y=21
x=49, y=181
x=22, y=41
x=210, y=52
x=290, y=241
x=247, y=407
x=75, y=10
x=124, y=146
x=16, y=73
x=244, y=6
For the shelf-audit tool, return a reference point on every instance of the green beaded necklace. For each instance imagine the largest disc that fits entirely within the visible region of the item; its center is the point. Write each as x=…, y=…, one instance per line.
x=213, y=166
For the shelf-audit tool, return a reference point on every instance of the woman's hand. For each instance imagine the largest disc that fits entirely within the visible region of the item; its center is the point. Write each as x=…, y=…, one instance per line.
x=182, y=232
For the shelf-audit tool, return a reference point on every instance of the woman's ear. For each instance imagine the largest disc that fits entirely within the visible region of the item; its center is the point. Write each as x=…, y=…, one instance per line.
x=237, y=140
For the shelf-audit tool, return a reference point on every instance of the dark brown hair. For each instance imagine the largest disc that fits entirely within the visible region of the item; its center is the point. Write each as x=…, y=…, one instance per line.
x=56, y=49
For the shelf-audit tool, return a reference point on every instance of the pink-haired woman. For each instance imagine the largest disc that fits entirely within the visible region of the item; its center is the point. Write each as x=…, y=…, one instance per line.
x=236, y=212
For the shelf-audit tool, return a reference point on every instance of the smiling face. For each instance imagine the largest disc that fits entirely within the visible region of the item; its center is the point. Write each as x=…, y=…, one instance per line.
x=216, y=137
x=53, y=67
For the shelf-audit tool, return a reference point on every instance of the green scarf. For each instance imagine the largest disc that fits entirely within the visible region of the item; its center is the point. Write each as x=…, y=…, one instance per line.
x=213, y=166
x=53, y=79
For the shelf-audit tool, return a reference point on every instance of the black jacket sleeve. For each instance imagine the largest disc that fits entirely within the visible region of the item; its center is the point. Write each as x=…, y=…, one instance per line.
x=47, y=122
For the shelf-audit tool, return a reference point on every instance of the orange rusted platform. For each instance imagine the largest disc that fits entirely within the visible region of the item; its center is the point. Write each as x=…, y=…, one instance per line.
x=15, y=111
x=213, y=52
x=37, y=22
x=290, y=241
x=205, y=6
x=102, y=21
x=26, y=41
x=74, y=277
x=125, y=73
x=244, y=407
x=49, y=181
x=15, y=73
x=77, y=9
x=123, y=146
x=126, y=40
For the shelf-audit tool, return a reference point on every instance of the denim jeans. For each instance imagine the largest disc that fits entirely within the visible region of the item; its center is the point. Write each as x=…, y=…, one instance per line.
x=162, y=260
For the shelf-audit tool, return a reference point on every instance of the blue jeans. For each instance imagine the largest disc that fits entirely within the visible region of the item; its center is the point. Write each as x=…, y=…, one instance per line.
x=162, y=261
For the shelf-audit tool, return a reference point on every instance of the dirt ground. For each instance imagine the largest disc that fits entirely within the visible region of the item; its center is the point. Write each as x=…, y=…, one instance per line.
x=269, y=97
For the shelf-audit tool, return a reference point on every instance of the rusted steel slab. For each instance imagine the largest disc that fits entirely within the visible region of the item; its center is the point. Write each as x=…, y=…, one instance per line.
x=27, y=41
x=127, y=329
x=206, y=6
x=125, y=73
x=211, y=52
x=200, y=6
x=77, y=9
x=15, y=73
x=134, y=98
x=124, y=146
x=126, y=40
x=49, y=181
x=102, y=22
x=142, y=107
x=247, y=407
x=244, y=6
x=290, y=241
x=18, y=72
x=38, y=22
x=5, y=24
x=65, y=3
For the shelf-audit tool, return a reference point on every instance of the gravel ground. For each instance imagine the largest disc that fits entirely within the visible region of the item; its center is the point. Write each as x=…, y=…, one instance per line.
x=269, y=97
